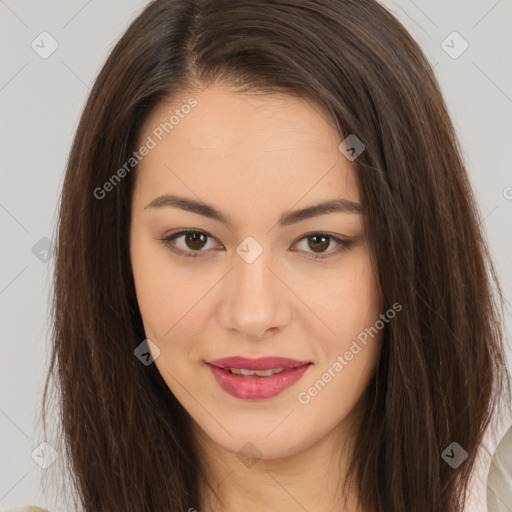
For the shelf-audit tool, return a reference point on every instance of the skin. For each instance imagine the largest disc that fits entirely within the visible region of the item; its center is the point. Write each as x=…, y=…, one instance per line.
x=255, y=158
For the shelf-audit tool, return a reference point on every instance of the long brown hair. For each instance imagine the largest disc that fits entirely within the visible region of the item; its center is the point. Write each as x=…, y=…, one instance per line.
x=441, y=372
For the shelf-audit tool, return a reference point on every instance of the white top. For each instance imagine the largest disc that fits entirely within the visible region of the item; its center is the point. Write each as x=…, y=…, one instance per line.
x=27, y=509
x=499, y=483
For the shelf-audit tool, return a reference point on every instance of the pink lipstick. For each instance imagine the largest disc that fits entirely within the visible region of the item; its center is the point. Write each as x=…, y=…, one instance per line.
x=257, y=379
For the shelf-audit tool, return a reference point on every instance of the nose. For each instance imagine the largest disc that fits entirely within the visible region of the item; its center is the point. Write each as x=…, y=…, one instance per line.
x=255, y=299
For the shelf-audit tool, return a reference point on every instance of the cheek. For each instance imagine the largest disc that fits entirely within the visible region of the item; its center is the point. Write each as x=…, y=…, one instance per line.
x=164, y=293
x=348, y=300
x=347, y=359
x=353, y=353
x=148, y=288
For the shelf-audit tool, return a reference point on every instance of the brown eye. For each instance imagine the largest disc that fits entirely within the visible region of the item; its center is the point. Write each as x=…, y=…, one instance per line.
x=320, y=243
x=195, y=240
x=192, y=245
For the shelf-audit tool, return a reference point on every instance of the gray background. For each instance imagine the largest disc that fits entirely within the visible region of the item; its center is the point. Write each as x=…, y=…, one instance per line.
x=41, y=101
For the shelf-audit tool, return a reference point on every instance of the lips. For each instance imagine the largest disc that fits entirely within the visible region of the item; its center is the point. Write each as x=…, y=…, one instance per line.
x=262, y=363
x=257, y=387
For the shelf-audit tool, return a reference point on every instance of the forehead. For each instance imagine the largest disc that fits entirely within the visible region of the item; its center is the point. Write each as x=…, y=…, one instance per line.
x=240, y=148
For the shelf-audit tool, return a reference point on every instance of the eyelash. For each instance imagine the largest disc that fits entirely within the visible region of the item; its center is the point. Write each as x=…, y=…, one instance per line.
x=343, y=244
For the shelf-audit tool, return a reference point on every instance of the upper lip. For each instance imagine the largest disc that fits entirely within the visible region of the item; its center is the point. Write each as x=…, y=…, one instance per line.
x=262, y=363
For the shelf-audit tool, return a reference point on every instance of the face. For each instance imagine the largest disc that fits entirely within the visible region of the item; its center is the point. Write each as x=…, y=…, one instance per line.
x=246, y=275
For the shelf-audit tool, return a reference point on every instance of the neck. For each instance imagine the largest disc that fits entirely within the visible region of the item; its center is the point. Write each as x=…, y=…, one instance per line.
x=307, y=478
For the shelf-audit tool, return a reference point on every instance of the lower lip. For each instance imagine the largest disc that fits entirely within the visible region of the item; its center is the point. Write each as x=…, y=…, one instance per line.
x=256, y=388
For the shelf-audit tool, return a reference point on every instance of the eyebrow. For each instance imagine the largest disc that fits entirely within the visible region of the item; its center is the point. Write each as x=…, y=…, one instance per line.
x=287, y=218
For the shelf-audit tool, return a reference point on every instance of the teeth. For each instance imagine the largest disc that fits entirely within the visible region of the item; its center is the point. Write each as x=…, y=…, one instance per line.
x=259, y=373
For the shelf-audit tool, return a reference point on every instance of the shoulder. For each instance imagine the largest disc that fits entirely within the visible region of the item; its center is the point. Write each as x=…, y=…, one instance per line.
x=499, y=484
x=27, y=509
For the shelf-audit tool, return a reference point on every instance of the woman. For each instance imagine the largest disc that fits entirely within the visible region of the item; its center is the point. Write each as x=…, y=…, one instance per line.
x=271, y=187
